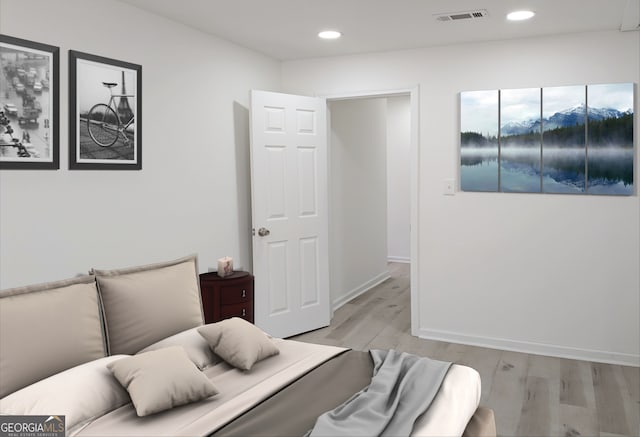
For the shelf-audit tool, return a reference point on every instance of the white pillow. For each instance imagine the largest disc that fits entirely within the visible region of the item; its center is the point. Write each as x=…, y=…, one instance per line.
x=196, y=347
x=81, y=394
x=238, y=342
x=161, y=379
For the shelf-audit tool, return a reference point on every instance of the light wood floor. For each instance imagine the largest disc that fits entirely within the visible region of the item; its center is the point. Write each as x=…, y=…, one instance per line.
x=531, y=395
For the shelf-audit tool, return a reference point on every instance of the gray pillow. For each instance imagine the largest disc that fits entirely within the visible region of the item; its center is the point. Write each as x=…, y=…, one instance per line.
x=238, y=342
x=47, y=328
x=145, y=304
x=161, y=379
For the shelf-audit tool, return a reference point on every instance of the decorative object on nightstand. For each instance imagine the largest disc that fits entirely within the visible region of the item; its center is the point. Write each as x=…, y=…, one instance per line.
x=228, y=296
x=225, y=266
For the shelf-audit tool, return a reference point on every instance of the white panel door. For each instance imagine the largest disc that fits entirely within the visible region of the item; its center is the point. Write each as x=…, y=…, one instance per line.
x=290, y=218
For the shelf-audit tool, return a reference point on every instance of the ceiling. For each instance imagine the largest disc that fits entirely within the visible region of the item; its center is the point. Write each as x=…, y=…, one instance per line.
x=287, y=29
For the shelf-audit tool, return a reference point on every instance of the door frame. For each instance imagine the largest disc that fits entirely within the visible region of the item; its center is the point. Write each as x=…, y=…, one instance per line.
x=414, y=104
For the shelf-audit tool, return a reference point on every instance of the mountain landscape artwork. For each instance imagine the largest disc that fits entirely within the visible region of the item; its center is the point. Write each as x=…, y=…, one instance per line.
x=520, y=156
x=564, y=139
x=569, y=139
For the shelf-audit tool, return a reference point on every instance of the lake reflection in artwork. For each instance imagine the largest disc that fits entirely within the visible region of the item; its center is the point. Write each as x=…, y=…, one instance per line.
x=479, y=139
x=610, y=139
x=570, y=139
x=564, y=150
x=520, y=140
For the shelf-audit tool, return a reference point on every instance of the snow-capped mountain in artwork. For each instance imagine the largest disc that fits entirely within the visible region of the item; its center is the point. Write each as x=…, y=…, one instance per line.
x=568, y=117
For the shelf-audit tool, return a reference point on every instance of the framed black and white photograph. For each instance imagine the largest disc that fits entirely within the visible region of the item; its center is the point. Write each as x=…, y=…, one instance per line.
x=105, y=113
x=29, y=105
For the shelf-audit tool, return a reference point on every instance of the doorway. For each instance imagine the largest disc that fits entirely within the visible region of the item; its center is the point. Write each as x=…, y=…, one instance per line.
x=284, y=294
x=373, y=184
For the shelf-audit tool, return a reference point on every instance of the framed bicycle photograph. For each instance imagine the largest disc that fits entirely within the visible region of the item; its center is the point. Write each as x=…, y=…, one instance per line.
x=29, y=105
x=105, y=113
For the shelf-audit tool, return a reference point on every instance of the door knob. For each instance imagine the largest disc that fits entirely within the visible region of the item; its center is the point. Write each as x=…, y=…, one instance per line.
x=263, y=232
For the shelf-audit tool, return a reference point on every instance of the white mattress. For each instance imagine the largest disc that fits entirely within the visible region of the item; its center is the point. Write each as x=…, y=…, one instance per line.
x=239, y=391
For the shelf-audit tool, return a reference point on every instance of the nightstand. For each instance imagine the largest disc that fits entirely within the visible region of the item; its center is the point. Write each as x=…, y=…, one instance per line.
x=231, y=296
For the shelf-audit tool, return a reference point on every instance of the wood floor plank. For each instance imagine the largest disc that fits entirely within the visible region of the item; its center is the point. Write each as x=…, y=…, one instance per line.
x=547, y=368
x=376, y=319
x=390, y=336
x=628, y=386
x=484, y=360
x=611, y=412
x=535, y=417
x=453, y=352
x=355, y=320
x=319, y=338
x=421, y=347
x=400, y=270
x=632, y=380
x=572, y=384
x=577, y=421
x=508, y=391
x=486, y=363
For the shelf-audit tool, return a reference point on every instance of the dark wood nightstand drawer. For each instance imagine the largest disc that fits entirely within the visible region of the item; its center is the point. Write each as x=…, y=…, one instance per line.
x=231, y=295
x=244, y=310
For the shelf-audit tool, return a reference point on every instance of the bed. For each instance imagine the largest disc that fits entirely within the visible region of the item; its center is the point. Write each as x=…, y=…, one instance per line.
x=125, y=352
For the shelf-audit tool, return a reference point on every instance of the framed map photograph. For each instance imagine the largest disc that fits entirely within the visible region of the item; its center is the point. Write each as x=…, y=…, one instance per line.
x=105, y=111
x=29, y=105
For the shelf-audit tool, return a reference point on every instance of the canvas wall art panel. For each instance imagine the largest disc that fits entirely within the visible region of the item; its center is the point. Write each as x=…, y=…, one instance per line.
x=479, y=141
x=520, y=142
x=610, y=139
x=557, y=140
x=564, y=150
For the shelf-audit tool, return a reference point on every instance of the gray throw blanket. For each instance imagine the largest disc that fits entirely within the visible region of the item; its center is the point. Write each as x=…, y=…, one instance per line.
x=402, y=388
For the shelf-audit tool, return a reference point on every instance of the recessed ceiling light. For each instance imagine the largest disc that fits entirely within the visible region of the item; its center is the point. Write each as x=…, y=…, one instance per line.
x=520, y=15
x=329, y=34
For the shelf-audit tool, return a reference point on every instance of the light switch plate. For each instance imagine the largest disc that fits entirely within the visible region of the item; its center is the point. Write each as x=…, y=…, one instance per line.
x=449, y=187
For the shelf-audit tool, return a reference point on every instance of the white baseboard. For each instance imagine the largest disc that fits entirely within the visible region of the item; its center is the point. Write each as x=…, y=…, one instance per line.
x=533, y=348
x=360, y=289
x=399, y=259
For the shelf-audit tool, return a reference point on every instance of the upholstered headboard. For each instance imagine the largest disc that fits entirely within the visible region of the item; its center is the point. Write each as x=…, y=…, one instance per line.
x=48, y=328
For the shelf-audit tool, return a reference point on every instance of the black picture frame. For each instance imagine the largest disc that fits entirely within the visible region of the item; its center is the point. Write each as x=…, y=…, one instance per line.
x=105, y=113
x=30, y=102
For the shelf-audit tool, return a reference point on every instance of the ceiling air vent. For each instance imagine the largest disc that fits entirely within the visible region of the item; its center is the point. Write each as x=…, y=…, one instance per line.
x=466, y=15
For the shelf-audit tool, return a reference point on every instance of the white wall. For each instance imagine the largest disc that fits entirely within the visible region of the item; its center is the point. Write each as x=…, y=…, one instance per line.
x=358, y=197
x=193, y=194
x=555, y=274
x=398, y=178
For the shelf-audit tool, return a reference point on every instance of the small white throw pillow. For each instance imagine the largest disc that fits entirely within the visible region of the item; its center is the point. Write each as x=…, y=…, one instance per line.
x=238, y=342
x=161, y=379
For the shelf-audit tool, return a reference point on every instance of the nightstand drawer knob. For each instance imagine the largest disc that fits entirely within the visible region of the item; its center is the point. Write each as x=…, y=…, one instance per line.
x=244, y=293
x=244, y=312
